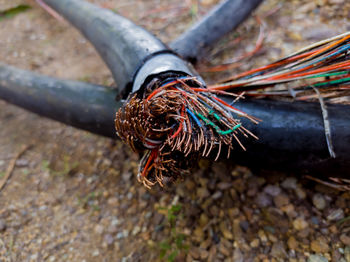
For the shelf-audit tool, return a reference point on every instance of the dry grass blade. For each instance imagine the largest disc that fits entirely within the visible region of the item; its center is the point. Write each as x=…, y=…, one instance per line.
x=12, y=165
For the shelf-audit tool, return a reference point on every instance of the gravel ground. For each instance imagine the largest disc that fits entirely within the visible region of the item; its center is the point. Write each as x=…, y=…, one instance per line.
x=73, y=196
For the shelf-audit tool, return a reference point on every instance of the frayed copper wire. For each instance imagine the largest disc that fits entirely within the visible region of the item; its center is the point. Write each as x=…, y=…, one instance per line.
x=176, y=122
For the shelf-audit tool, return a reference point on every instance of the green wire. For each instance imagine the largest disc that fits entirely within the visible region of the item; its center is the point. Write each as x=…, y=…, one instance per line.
x=329, y=74
x=211, y=112
x=230, y=130
x=210, y=123
x=338, y=81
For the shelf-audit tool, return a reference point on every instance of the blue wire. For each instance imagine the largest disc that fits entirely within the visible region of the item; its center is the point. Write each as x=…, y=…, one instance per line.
x=182, y=77
x=194, y=117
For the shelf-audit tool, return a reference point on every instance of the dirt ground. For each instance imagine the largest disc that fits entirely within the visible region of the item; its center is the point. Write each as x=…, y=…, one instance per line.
x=73, y=196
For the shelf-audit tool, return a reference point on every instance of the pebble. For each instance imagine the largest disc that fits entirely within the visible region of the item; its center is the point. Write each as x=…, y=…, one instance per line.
x=292, y=243
x=300, y=193
x=136, y=230
x=335, y=215
x=224, y=250
x=315, y=220
x=319, y=201
x=237, y=255
x=263, y=200
x=345, y=239
x=319, y=245
x=203, y=220
x=120, y=235
x=109, y=239
x=2, y=225
x=224, y=185
x=347, y=253
x=278, y=250
x=194, y=252
x=281, y=200
x=289, y=183
x=198, y=232
x=203, y=254
x=255, y=243
x=225, y=231
x=300, y=224
x=217, y=195
x=22, y=163
x=262, y=236
x=336, y=2
x=203, y=192
x=244, y=225
x=317, y=258
x=99, y=229
x=272, y=190
x=96, y=253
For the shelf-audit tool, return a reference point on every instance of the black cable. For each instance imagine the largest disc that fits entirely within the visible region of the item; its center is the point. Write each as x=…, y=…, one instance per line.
x=291, y=135
x=86, y=106
x=224, y=18
x=124, y=46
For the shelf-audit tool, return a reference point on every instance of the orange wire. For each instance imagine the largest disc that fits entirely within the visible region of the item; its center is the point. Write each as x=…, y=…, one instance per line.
x=151, y=157
x=160, y=88
x=180, y=126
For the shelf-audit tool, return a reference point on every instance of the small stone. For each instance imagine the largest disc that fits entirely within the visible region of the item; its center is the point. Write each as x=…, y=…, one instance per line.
x=237, y=255
x=300, y=193
x=319, y=201
x=224, y=250
x=278, y=250
x=136, y=230
x=345, y=240
x=292, y=243
x=198, y=232
x=262, y=236
x=212, y=253
x=99, y=229
x=96, y=253
x=22, y=163
x=203, y=220
x=281, y=200
x=225, y=231
x=109, y=239
x=203, y=254
x=317, y=258
x=272, y=238
x=289, y=183
x=2, y=225
x=120, y=235
x=319, y=246
x=244, y=225
x=315, y=220
x=272, y=190
x=347, y=253
x=217, y=195
x=289, y=210
x=255, y=243
x=300, y=224
x=224, y=185
x=336, y=2
x=336, y=214
x=203, y=192
x=194, y=252
x=263, y=200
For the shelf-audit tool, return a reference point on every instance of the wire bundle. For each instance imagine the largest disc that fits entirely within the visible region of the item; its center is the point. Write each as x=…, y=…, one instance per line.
x=324, y=66
x=176, y=120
